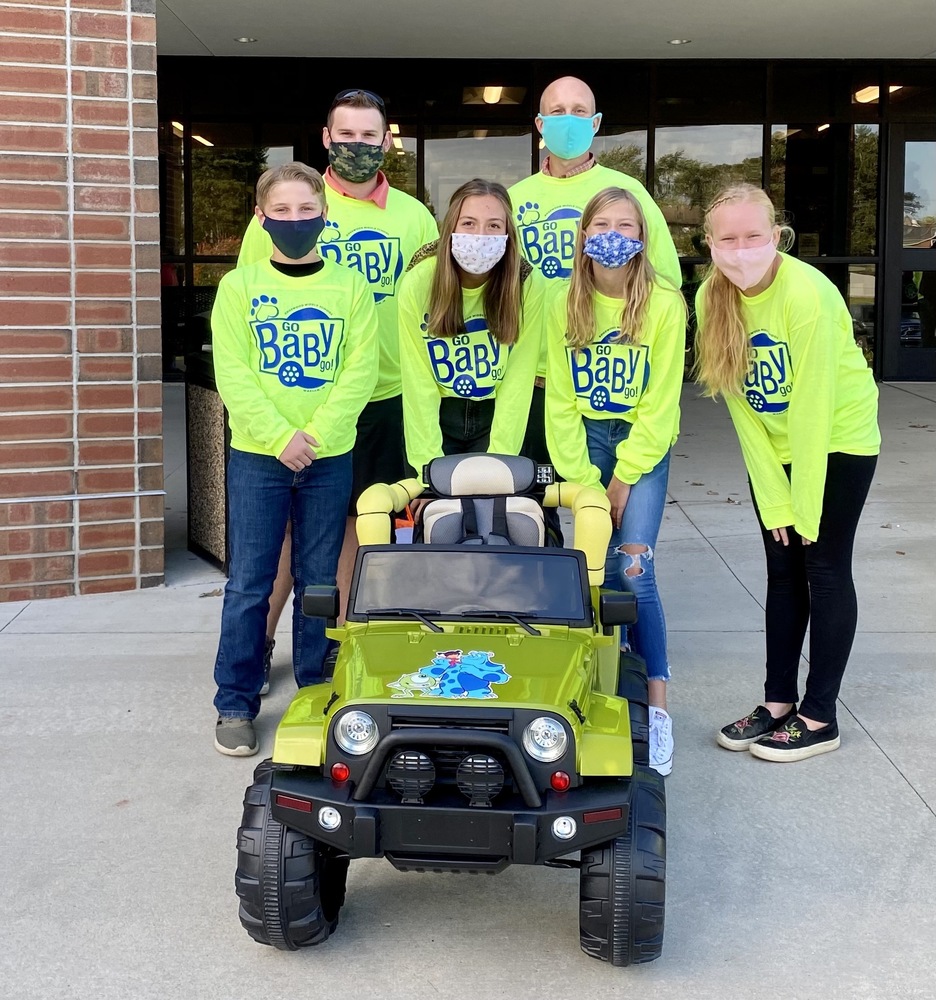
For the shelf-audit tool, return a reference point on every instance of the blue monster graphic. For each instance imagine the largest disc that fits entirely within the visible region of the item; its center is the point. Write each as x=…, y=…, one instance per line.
x=454, y=674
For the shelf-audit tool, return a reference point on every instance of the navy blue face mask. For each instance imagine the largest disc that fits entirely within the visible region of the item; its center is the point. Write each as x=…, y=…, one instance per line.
x=294, y=238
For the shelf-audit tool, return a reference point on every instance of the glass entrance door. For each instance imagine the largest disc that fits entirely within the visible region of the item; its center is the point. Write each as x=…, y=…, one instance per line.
x=909, y=320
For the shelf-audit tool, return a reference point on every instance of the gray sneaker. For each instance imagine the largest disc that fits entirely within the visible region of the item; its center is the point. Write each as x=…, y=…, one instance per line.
x=267, y=664
x=235, y=737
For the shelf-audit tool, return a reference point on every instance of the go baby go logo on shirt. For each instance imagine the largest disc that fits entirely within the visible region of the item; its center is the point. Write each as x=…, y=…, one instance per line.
x=470, y=363
x=371, y=253
x=549, y=243
x=611, y=375
x=301, y=348
x=769, y=381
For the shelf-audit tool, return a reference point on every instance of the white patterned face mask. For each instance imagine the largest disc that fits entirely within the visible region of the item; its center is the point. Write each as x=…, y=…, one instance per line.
x=477, y=254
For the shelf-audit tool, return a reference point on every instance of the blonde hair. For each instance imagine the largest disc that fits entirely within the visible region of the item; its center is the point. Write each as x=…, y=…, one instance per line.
x=503, y=306
x=637, y=278
x=294, y=171
x=721, y=341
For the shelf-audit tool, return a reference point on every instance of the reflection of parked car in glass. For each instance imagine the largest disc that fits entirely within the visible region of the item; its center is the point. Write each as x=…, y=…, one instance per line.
x=911, y=329
x=862, y=314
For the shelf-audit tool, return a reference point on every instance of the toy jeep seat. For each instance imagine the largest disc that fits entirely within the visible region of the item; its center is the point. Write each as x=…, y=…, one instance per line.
x=478, y=504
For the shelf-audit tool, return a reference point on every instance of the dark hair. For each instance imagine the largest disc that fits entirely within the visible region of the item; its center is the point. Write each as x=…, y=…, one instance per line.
x=357, y=98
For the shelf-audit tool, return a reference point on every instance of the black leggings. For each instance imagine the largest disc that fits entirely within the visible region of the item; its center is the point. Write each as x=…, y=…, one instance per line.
x=812, y=584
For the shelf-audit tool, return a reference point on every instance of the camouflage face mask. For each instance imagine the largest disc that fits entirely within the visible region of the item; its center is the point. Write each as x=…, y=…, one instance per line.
x=355, y=162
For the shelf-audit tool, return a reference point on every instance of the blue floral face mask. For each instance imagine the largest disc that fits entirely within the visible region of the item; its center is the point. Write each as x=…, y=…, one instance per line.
x=612, y=249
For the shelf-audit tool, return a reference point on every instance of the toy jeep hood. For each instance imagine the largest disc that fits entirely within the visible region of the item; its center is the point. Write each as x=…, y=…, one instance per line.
x=497, y=665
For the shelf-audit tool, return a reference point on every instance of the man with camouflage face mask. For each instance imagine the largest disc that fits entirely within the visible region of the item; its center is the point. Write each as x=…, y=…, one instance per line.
x=374, y=229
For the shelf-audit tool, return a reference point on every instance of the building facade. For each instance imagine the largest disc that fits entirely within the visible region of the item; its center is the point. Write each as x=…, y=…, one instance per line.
x=119, y=215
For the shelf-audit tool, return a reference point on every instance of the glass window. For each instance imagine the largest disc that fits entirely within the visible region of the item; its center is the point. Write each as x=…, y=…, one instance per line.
x=688, y=92
x=919, y=195
x=911, y=93
x=858, y=286
x=400, y=162
x=863, y=195
x=225, y=166
x=171, y=189
x=692, y=164
x=807, y=166
x=455, y=156
x=818, y=93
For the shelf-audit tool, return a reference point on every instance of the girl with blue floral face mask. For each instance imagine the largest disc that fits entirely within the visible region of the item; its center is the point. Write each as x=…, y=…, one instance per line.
x=616, y=342
x=470, y=318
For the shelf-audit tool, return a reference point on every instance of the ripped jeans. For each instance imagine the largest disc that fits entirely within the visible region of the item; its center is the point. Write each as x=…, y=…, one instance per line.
x=640, y=526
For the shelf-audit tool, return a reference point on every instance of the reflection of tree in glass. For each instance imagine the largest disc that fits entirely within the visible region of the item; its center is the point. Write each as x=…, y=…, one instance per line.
x=684, y=186
x=223, y=183
x=399, y=165
x=912, y=203
x=863, y=215
x=627, y=158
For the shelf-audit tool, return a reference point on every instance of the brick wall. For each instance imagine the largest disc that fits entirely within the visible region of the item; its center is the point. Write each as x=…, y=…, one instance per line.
x=81, y=473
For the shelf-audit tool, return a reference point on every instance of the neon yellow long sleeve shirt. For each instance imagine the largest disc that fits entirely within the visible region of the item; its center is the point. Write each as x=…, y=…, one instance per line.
x=808, y=392
x=547, y=212
x=294, y=354
x=472, y=365
x=608, y=379
x=376, y=242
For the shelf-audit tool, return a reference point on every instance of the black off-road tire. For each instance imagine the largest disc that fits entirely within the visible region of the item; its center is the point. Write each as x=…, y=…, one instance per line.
x=291, y=887
x=622, y=883
x=632, y=685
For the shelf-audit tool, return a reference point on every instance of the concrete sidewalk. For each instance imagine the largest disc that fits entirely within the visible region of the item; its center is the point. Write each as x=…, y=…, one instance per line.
x=814, y=879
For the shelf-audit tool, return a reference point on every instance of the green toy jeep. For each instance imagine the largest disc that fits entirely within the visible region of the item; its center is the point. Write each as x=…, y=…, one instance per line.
x=480, y=714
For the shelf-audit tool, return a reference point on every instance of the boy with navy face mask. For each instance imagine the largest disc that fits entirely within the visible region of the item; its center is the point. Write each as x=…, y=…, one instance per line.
x=294, y=340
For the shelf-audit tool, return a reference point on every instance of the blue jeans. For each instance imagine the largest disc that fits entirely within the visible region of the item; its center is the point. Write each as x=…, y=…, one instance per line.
x=640, y=526
x=262, y=495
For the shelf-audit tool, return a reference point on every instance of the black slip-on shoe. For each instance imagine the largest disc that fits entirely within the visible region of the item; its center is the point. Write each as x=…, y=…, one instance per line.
x=745, y=732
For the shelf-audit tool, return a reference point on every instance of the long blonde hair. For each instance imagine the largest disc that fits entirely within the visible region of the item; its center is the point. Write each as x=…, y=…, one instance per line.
x=637, y=277
x=502, y=294
x=721, y=341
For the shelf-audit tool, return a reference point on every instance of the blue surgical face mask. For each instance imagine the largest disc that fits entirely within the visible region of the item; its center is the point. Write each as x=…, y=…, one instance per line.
x=294, y=238
x=568, y=136
x=612, y=249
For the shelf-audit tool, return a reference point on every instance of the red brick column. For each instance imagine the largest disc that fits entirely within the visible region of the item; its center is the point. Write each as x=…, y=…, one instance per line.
x=81, y=476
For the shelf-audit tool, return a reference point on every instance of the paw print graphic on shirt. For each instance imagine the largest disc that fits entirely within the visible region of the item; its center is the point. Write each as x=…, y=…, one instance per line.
x=528, y=214
x=330, y=234
x=263, y=307
x=424, y=326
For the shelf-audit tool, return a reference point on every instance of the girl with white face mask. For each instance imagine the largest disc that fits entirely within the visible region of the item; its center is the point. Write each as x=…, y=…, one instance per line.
x=775, y=340
x=470, y=331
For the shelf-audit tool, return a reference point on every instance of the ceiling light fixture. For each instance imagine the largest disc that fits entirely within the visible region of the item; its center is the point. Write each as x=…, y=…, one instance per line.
x=394, y=128
x=398, y=142
x=822, y=128
x=680, y=41
x=492, y=95
x=202, y=140
x=245, y=40
x=871, y=95
x=177, y=127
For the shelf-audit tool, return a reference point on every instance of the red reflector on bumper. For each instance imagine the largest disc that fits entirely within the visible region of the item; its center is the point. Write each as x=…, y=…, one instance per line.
x=288, y=802
x=600, y=815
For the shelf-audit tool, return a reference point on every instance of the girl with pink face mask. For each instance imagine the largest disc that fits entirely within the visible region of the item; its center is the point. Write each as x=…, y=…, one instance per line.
x=775, y=340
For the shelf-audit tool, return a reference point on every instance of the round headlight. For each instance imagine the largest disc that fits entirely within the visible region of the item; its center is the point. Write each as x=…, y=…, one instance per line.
x=356, y=733
x=545, y=739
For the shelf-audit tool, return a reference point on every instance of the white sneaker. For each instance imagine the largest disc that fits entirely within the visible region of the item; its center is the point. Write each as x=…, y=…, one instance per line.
x=661, y=741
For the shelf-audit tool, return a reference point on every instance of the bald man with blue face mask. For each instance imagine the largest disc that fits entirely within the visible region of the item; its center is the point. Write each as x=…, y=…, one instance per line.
x=547, y=208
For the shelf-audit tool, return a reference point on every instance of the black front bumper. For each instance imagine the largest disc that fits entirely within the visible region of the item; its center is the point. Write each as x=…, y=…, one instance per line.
x=448, y=834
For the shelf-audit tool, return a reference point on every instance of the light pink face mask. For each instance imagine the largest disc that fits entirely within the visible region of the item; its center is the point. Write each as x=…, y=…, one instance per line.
x=744, y=267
